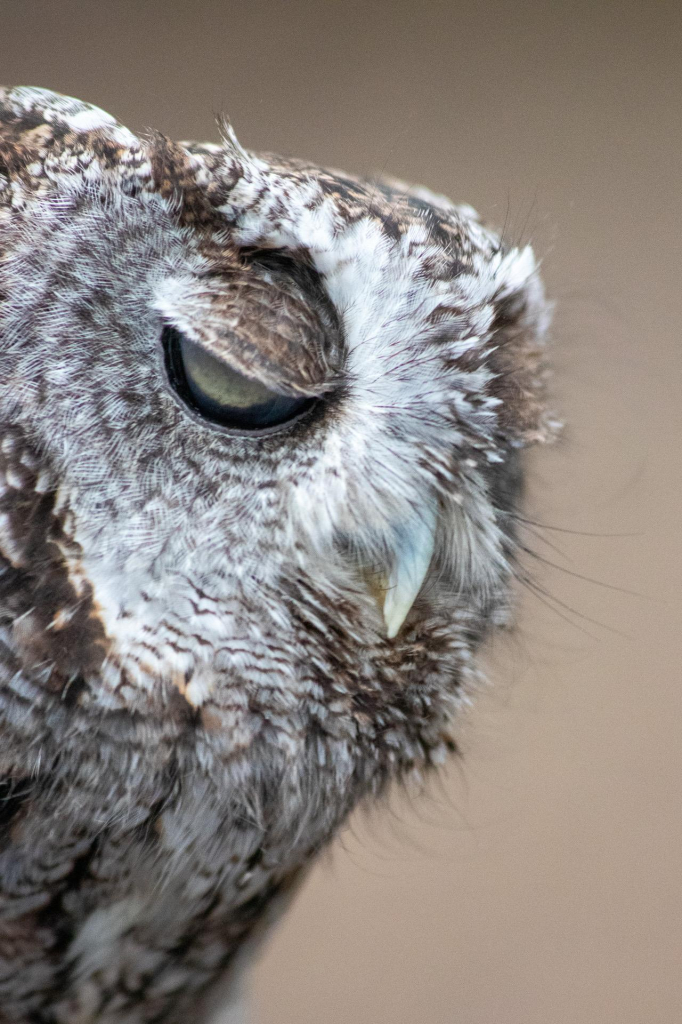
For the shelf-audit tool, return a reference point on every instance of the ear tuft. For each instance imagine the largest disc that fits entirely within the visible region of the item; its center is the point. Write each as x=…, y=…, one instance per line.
x=48, y=140
x=232, y=147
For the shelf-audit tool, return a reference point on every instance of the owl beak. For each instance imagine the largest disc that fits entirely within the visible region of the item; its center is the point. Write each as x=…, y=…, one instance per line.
x=413, y=556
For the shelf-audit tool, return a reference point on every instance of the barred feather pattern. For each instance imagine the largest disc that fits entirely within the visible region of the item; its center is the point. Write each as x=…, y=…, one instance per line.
x=200, y=675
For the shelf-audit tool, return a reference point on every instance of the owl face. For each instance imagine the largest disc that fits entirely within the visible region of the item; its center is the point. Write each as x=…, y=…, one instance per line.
x=267, y=419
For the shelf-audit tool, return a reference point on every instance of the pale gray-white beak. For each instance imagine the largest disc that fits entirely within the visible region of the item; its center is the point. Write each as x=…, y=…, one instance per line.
x=411, y=562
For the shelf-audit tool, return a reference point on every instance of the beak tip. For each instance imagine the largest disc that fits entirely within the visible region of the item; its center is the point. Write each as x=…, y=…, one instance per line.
x=395, y=613
x=392, y=630
x=412, y=561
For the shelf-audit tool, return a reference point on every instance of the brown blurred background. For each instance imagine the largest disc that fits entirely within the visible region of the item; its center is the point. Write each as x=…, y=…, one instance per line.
x=541, y=880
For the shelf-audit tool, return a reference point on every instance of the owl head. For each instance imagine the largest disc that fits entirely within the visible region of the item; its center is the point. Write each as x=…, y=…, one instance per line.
x=261, y=428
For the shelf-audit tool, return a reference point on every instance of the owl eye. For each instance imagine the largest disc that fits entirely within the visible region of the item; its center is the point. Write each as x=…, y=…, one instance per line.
x=223, y=395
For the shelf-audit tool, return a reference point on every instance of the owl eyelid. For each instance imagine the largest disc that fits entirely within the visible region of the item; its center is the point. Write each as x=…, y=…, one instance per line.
x=234, y=420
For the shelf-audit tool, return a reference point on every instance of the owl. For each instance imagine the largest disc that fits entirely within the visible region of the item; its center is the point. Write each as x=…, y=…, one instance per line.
x=261, y=461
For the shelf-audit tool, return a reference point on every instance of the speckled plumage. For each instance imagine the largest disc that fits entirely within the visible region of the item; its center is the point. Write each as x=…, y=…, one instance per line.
x=197, y=682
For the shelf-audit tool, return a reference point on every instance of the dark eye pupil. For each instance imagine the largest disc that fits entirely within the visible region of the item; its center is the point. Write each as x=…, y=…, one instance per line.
x=221, y=394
